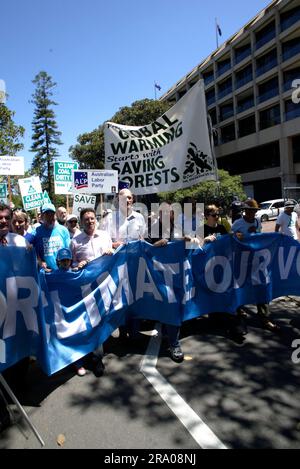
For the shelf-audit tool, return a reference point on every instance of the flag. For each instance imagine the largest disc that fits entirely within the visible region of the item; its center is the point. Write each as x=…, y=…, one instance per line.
x=157, y=86
x=219, y=29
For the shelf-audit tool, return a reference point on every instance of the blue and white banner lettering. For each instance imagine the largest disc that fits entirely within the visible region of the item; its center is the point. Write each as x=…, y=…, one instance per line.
x=71, y=313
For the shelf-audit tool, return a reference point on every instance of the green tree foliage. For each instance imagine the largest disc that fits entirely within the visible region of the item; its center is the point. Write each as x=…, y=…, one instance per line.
x=89, y=151
x=210, y=191
x=45, y=136
x=10, y=135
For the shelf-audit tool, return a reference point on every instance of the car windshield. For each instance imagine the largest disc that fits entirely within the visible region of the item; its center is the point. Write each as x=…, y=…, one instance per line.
x=264, y=206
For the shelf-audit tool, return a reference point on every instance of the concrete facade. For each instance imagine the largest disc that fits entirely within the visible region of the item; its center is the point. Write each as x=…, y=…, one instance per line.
x=251, y=100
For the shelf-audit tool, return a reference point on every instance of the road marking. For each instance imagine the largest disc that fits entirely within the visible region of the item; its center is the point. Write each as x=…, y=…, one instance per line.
x=201, y=433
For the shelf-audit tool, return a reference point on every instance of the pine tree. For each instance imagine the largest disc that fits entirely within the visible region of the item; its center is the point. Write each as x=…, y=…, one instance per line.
x=45, y=131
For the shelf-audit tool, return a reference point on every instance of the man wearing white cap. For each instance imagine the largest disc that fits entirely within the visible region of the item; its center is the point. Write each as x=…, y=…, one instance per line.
x=72, y=225
x=287, y=222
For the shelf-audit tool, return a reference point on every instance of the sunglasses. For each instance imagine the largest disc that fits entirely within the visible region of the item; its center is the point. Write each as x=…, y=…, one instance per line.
x=215, y=215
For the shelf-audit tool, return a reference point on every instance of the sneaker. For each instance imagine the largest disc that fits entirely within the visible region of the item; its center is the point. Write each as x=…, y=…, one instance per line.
x=176, y=354
x=81, y=371
x=99, y=368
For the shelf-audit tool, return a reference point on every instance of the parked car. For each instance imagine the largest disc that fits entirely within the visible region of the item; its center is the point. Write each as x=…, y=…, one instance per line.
x=270, y=209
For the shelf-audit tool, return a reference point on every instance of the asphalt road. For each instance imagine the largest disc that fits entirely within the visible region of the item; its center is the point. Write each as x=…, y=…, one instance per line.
x=246, y=393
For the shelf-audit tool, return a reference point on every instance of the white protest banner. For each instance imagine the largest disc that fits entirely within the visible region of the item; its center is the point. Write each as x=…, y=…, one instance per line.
x=63, y=177
x=31, y=192
x=94, y=181
x=11, y=165
x=82, y=201
x=172, y=153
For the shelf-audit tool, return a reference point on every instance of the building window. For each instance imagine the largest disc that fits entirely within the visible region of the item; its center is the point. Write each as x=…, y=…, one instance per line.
x=268, y=89
x=227, y=133
x=266, y=62
x=225, y=88
x=247, y=126
x=226, y=111
x=269, y=117
x=243, y=76
x=254, y=159
x=223, y=66
x=288, y=18
x=265, y=34
x=208, y=77
x=241, y=53
x=296, y=149
x=289, y=76
x=292, y=110
x=290, y=48
x=210, y=97
x=245, y=103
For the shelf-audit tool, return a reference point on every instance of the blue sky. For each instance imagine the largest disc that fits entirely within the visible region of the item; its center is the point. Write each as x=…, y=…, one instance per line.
x=104, y=55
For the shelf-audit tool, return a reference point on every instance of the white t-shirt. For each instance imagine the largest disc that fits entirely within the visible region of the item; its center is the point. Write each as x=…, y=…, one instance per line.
x=288, y=224
x=243, y=226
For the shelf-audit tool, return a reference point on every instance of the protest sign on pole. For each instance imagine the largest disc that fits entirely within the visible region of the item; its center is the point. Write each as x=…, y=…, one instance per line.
x=172, y=153
x=31, y=192
x=95, y=181
x=82, y=201
x=63, y=177
x=11, y=165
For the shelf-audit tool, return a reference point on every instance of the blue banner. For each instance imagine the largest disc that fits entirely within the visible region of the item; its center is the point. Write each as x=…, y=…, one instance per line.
x=62, y=316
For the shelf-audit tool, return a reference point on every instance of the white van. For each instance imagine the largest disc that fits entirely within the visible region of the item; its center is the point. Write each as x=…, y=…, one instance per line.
x=270, y=209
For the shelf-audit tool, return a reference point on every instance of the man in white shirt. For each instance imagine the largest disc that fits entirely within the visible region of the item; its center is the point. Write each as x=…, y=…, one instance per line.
x=287, y=222
x=126, y=224
x=91, y=243
x=85, y=247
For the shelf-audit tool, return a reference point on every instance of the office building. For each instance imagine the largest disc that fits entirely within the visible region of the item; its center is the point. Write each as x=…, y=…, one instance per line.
x=251, y=100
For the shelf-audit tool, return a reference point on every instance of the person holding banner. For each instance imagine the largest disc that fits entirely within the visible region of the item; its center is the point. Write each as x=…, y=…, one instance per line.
x=166, y=233
x=126, y=224
x=7, y=238
x=87, y=246
x=20, y=225
x=49, y=237
x=243, y=227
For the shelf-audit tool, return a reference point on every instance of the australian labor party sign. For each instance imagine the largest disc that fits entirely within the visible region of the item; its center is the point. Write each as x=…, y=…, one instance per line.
x=63, y=177
x=172, y=153
x=94, y=181
x=11, y=165
x=31, y=192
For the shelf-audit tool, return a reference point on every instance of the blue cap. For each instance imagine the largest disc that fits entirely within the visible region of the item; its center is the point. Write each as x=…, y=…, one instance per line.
x=48, y=208
x=63, y=253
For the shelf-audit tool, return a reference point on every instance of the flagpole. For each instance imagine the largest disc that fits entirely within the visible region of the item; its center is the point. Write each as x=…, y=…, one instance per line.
x=216, y=28
x=154, y=91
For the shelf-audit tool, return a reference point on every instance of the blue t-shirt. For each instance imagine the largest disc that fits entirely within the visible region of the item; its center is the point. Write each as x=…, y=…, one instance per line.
x=47, y=241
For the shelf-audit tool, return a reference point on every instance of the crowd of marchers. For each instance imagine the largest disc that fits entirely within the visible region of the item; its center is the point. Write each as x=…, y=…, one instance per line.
x=62, y=241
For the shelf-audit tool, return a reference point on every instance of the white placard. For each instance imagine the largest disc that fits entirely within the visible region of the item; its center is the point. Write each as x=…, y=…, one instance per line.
x=82, y=201
x=31, y=192
x=11, y=165
x=95, y=181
